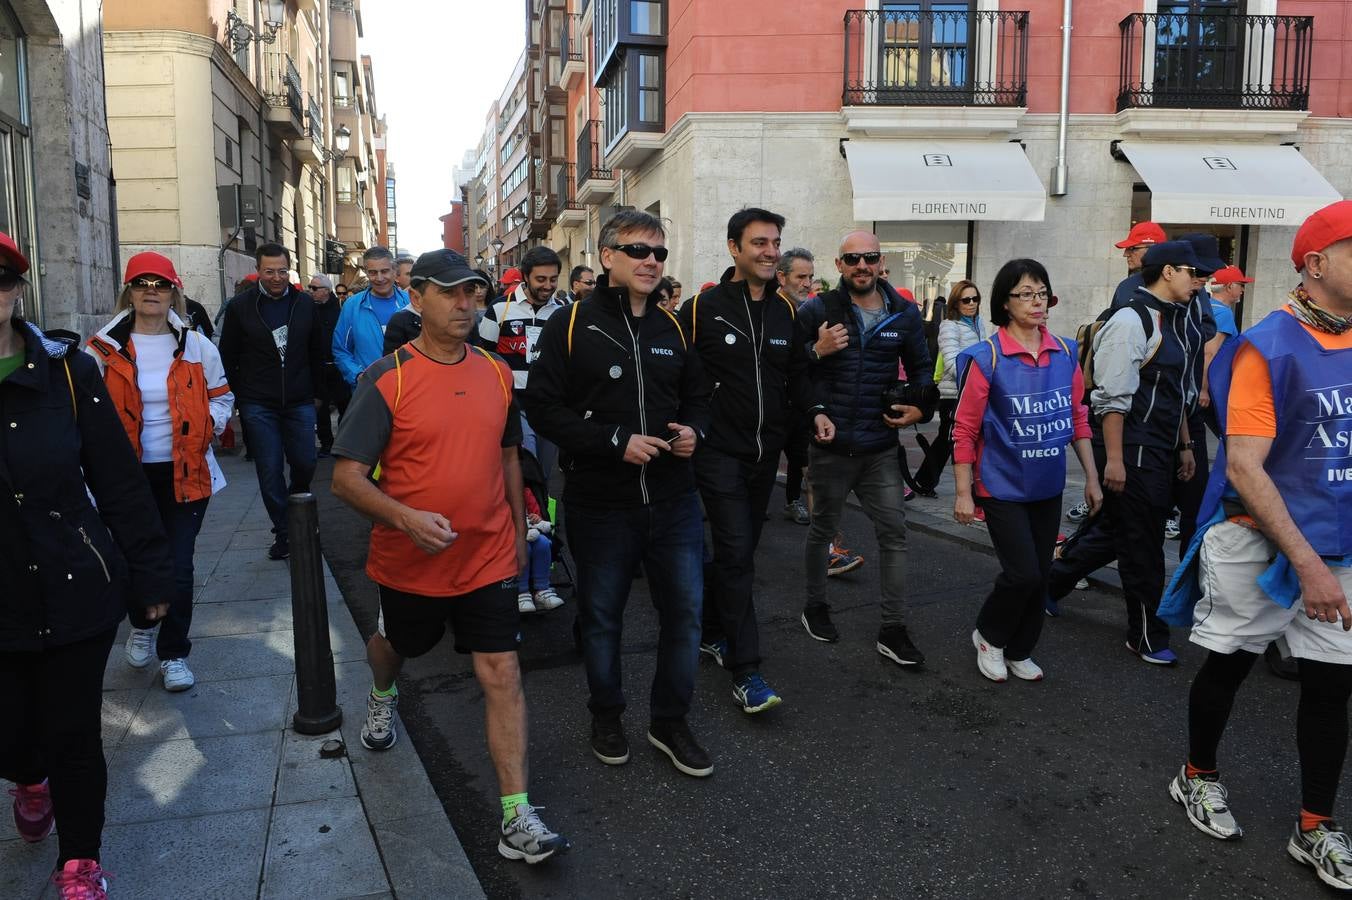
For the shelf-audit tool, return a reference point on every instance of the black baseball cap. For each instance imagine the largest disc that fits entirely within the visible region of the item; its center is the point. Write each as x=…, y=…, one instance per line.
x=1208, y=250
x=1173, y=253
x=445, y=268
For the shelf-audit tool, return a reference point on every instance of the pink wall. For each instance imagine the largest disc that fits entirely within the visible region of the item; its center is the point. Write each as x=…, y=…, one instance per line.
x=1331, y=64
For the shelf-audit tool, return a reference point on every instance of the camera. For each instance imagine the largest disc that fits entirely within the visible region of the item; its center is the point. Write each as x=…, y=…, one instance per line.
x=924, y=397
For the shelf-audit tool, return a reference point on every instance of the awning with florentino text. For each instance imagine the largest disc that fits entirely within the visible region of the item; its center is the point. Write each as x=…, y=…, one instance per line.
x=897, y=180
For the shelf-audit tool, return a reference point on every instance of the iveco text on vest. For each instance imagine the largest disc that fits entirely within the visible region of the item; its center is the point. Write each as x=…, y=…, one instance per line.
x=949, y=209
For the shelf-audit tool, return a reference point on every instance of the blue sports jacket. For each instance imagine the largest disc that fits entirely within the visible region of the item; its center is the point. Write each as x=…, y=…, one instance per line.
x=358, y=339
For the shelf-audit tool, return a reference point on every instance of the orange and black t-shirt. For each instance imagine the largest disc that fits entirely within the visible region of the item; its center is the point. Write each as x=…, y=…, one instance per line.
x=438, y=431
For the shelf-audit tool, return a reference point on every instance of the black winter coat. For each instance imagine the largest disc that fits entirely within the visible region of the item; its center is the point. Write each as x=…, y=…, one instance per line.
x=66, y=578
x=754, y=368
x=403, y=327
x=621, y=376
x=850, y=382
x=257, y=372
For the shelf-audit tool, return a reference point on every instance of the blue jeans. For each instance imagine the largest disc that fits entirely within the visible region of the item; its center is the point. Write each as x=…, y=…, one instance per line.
x=539, y=557
x=608, y=545
x=278, y=436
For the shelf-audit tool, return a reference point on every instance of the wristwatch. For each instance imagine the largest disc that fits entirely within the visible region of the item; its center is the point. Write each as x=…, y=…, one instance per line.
x=1187, y=445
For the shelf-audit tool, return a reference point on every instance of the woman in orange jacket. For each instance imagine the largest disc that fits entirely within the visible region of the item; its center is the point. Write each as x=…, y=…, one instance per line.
x=169, y=389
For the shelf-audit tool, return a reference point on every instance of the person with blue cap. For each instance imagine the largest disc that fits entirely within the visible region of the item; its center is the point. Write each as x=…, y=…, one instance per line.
x=1143, y=363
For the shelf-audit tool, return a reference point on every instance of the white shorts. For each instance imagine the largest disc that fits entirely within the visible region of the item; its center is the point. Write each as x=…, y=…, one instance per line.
x=1235, y=614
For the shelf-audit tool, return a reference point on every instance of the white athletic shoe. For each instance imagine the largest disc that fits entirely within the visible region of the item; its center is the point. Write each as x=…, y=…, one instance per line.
x=547, y=599
x=990, y=660
x=140, y=647
x=525, y=603
x=1024, y=669
x=177, y=675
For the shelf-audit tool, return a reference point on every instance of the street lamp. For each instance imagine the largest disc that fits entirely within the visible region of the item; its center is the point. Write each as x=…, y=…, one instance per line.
x=496, y=244
x=240, y=32
x=478, y=260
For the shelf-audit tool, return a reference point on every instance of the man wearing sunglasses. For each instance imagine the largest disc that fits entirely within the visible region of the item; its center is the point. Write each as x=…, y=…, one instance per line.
x=616, y=388
x=743, y=332
x=581, y=283
x=856, y=336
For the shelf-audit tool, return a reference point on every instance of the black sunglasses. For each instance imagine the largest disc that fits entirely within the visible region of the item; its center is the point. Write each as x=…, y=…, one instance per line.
x=9, y=279
x=641, y=251
x=146, y=284
x=976, y=299
x=852, y=259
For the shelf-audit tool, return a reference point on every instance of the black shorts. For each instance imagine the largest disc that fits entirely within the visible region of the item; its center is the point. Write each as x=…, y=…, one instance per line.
x=486, y=620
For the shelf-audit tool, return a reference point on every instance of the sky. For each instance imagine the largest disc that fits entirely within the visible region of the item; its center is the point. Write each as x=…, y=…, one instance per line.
x=439, y=65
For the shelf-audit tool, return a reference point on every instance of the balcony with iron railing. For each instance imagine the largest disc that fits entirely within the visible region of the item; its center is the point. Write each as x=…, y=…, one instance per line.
x=1215, y=61
x=936, y=57
x=573, y=65
x=282, y=93
x=570, y=211
x=594, y=180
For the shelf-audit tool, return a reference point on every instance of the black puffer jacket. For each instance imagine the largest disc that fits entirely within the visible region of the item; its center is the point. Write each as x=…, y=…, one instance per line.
x=257, y=372
x=602, y=376
x=753, y=366
x=850, y=382
x=65, y=577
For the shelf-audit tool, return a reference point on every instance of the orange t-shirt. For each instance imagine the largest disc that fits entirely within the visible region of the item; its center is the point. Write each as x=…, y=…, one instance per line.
x=438, y=431
x=1250, y=409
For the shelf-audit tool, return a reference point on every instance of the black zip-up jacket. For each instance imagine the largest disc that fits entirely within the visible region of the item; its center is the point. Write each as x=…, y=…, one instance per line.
x=602, y=376
x=754, y=367
x=66, y=578
x=403, y=327
x=850, y=382
x=255, y=369
x=326, y=317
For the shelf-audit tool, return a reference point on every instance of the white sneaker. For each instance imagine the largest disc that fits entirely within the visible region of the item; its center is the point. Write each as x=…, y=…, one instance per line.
x=990, y=660
x=547, y=599
x=177, y=675
x=1025, y=669
x=525, y=603
x=1082, y=584
x=140, y=647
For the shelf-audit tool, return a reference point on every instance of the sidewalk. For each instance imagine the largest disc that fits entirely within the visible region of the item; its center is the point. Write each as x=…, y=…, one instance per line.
x=210, y=794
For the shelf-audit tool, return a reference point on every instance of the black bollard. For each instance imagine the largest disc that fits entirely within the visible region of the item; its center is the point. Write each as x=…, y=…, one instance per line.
x=316, y=690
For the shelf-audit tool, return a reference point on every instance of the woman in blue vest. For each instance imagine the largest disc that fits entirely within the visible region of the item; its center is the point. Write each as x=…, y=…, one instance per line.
x=1019, y=408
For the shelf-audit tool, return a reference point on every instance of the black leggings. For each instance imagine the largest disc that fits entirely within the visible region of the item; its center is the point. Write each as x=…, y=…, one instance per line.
x=50, y=702
x=1321, y=720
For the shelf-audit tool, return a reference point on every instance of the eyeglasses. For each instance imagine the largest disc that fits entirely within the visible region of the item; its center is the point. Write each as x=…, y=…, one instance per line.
x=1030, y=296
x=852, y=259
x=1190, y=269
x=151, y=284
x=641, y=251
x=587, y=283
x=9, y=279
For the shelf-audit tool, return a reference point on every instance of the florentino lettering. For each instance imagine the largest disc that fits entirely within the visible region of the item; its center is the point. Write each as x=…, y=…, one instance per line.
x=1275, y=213
x=949, y=209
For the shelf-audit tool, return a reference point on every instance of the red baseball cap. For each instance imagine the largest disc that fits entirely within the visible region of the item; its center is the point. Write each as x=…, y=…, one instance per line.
x=512, y=276
x=13, y=256
x=1322, y=229
x=1231, y=275
x=150, y=263
x=1143, y=233
x=907, y=295
x=708, y=285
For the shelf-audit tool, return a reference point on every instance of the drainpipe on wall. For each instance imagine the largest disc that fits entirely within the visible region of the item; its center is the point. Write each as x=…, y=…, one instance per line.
x=1061, y=171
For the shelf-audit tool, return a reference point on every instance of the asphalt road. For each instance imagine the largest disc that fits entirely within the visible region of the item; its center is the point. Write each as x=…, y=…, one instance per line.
x=869, y=781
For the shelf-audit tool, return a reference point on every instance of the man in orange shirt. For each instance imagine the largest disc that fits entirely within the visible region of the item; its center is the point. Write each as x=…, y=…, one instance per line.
x=448, y=539
x=1275, y=562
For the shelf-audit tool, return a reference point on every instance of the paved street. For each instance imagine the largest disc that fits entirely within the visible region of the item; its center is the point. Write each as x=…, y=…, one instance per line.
x=869, y=781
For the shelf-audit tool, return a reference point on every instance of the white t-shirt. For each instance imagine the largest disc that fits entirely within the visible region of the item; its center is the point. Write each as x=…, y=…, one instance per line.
x=154, y=355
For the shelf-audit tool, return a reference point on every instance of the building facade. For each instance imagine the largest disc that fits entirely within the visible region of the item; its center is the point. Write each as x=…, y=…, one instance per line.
x=938, y=126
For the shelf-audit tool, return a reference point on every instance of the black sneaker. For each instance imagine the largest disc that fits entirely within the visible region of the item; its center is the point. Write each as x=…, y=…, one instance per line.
x=280, y=549
x=675, y=740
x=608, y=742
x=895, y=644
x=817, y=621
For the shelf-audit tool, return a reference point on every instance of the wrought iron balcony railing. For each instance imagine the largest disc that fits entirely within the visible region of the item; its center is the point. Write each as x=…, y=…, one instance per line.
x=589, y=153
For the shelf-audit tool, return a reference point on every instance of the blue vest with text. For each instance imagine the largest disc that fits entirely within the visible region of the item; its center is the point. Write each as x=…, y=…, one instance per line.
x=1028, y=423
x=1310, y=460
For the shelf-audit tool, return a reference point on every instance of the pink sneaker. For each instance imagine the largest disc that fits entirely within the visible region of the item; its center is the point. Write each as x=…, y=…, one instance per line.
x=81, y=879
x=33, y=811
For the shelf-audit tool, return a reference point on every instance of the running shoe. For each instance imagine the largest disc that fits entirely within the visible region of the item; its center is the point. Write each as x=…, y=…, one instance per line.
x=1050, y=606
x=673, y=738
x=1082, y=584
x=842, y=561
x=894, y=643
x=379, y=732
x=140, y=647
x=608, y=742
x=990, y=660
x=524, y=836
x=1078, y=513
x=1165, y=657
x=176, y=674
x=525, y=603
x=753, y=694
x=817, y=621
x=1205, y=800
x=1171, y=529
x=81, y=879
x=1024, y=669
x=714, y=649
x=280, y=549
x=1328, y=850
x=797, y=513
x=545, y=600
x=33, y=811
x=907, y=495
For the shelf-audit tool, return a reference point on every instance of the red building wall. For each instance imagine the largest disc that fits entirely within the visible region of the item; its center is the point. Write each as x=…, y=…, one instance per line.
x=453, y=228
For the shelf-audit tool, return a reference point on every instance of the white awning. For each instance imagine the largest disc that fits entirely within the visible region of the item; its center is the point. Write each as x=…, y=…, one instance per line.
x=927, y=180
x=1242, y=184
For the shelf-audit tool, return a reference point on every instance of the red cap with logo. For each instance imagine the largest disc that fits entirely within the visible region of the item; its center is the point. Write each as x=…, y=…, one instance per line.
x=1143, y=233
x=1322, y=229
x=512, y=276
x=12, y=255
x=1231, y=275
x=151, y=263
